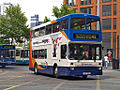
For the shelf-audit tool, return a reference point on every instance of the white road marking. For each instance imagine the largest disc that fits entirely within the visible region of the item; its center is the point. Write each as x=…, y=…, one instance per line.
x=59, y=85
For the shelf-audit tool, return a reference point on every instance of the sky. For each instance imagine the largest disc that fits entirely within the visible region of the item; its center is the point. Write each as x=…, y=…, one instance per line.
x=41, y=7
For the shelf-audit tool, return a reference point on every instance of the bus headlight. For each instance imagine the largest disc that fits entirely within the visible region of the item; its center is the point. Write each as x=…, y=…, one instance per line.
x=99, y=68
x=72, y=68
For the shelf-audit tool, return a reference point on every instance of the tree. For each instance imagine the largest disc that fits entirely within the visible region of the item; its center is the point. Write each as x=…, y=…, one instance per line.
x=64, y=10
x=46, y=19
x=13, y=25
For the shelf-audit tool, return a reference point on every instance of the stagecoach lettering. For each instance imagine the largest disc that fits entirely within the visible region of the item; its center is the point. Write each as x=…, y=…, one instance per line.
x=43, y=41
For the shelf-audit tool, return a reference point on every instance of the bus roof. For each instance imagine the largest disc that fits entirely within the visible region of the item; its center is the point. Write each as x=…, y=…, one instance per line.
x=75, y=15
x=80, y=15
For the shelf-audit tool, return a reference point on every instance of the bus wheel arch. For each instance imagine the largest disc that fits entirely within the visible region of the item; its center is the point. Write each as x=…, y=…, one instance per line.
x=55, y=71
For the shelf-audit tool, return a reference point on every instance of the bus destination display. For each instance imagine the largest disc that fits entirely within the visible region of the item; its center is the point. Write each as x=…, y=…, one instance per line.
x=85, y=36
x=8, y=46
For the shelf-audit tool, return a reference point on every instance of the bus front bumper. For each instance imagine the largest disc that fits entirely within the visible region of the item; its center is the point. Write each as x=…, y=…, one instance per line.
x=79, y=71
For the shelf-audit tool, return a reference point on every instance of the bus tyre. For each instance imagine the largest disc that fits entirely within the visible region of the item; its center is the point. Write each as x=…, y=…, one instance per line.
x=55, y=72
x=3, y=66
x=35, y=69
x=84, y=76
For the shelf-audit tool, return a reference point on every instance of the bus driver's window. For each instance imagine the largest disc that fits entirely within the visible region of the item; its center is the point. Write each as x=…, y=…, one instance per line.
x=63, y=51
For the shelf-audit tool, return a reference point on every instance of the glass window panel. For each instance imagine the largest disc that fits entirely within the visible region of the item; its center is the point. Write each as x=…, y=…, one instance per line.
x=78, y=23
x=114, y=23
x=106, y=39
x=106, y=24
x=48, y=29
x=106, y=10
x=86, y=10
x=92, y=24
x=63, y=51
x=114, y=9
x=85, y=2
x=84, y=52
x=71, y=2
x=114, y=44
x=104, y=1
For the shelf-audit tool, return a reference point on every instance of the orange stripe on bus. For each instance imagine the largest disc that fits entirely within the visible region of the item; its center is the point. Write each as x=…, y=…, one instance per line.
x=64, y=34
x=54, y=21
x=33, y=61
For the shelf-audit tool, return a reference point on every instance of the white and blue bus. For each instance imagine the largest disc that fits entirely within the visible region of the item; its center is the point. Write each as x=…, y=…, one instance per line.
x=22, y=55
x=7, y=55
x=67, y=46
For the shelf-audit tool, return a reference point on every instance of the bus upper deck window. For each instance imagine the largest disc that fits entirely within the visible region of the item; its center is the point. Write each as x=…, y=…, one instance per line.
x=56, y=27
x=48, y=29
x=36, y=33
x=42, y=31
x=78, y=23
x=64, y=24
x=93, y=24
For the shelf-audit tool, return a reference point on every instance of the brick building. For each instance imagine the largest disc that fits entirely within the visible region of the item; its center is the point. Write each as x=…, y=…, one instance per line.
x=109, y=12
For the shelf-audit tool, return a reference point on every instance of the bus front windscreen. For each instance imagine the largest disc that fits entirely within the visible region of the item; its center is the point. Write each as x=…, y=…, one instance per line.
x=7, y=54
x=84, y=52
x=85, y=24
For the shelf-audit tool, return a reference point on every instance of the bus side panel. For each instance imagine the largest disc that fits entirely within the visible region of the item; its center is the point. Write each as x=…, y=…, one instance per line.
x=48, y=70
x=69, y=71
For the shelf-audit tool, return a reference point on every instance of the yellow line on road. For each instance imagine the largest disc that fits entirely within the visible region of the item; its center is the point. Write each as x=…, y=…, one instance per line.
x=18, y=85
x=59, y=85
x=98, y=83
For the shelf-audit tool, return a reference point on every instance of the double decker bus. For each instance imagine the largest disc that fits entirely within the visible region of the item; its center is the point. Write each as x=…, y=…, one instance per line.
x=22, y=55
x=67, y=46
x=7, y=55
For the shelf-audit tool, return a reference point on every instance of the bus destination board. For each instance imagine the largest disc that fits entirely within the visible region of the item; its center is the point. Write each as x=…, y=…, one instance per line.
x=8, y=47
x=85, y=36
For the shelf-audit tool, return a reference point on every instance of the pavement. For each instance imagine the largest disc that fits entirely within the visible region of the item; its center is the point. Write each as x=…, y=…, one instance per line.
x=110, y=68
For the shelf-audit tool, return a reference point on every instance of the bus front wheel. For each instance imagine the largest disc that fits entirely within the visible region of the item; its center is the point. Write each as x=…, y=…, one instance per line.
x=55, y=72
x=84, y=76
x=3, y=66
x=35, y=69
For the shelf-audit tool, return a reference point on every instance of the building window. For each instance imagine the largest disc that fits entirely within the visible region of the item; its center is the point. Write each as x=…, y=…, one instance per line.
x=106, y=24
x=114, y=44
x=104, y=1
x=106, y=39
x=71, y=2
x=85, y=2
x=106, y=10
x=86, y=10
x=114, y=23
x=114, y=9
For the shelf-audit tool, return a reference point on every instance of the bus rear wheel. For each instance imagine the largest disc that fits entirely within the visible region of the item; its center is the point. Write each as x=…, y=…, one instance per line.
x=35, y=69
x=55, y=72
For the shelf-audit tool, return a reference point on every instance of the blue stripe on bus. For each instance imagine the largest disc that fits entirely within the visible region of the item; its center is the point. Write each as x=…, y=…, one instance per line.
x=22, y=61
x=67, y=71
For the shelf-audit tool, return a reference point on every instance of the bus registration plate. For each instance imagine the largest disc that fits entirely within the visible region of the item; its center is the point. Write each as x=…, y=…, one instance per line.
x=86, y=73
